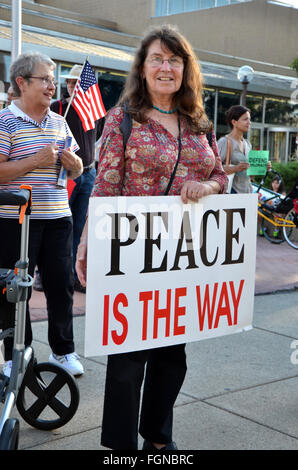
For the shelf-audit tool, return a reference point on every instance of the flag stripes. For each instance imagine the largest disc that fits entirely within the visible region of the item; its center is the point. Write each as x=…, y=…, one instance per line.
x=87, y=98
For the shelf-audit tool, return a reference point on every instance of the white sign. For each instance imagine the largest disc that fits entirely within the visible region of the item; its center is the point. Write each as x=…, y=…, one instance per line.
x=161, y=272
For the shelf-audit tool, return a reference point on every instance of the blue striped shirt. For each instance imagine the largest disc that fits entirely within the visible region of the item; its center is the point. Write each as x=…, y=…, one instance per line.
x=22, y=137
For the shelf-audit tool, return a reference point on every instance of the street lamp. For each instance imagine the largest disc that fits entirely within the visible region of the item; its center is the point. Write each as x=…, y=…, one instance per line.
x=245, y=75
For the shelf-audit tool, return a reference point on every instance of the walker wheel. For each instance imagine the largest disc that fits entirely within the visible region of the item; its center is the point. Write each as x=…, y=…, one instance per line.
x=48, y=397
x=9, y=439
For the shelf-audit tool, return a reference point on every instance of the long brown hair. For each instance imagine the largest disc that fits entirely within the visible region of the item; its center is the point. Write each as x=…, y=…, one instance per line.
x=188, y=98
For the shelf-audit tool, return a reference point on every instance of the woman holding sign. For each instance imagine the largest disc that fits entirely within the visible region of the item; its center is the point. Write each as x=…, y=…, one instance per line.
x=163, y=98
x=234, y=149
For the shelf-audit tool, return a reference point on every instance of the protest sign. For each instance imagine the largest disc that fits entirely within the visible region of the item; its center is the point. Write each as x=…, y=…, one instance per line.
x=257, y=160
x=160, y=272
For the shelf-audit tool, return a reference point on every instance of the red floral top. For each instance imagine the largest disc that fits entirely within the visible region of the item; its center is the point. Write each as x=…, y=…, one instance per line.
x=149, y=159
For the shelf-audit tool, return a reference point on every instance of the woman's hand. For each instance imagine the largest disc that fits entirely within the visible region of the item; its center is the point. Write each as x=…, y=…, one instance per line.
x=242, y=166
x=194, y=190
x=71, y=162
x=47, y=156
x=81, y=262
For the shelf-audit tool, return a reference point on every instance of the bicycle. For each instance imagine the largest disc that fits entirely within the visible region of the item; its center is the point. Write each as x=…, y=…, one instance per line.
x=279, y=215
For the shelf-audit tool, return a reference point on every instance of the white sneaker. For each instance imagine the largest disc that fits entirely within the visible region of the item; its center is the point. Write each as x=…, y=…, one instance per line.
x=7, y=366
x=69, y=362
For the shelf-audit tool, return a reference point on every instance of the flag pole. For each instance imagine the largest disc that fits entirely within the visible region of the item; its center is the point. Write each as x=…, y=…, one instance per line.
x=68, y=106
x=62, y=177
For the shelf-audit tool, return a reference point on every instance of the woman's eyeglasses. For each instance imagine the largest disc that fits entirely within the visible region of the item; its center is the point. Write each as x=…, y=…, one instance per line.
x=46, y=81
x=157, y=61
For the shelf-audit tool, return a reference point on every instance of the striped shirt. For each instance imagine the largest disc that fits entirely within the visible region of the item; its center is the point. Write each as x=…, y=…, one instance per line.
x=22, y=137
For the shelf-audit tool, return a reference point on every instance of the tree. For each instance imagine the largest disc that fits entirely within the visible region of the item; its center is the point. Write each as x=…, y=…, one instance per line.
x=294, y=65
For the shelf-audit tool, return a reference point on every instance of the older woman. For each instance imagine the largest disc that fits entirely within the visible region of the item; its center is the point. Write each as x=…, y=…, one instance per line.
x=163, y=95
x=32, y=140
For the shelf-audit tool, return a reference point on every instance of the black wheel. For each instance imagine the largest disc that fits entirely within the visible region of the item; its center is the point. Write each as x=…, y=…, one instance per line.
x=291, y=233
x=9, y=439
x=48, y=397
x=271, y=233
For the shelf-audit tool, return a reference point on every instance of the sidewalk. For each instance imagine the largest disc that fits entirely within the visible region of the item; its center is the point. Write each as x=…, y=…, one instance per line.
x=276, y=267
x=240, y=392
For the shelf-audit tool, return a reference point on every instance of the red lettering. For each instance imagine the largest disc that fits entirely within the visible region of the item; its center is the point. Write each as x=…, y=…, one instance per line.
x=120, y=299
x=105, y=331
x=179, y=330
x=145, y=297
x=236, y=300
x=206, y=306
x=162, y=313
x=223, y=310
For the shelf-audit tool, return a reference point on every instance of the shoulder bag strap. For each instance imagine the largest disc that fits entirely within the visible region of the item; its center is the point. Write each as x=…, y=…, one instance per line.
x=177, y=161
x=126, y=125
x=228, y=154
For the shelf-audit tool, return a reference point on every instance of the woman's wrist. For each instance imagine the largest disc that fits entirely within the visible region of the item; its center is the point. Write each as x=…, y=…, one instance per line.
x=211, y=188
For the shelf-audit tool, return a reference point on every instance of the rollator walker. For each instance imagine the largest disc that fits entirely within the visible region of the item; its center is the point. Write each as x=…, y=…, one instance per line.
x=45, y=394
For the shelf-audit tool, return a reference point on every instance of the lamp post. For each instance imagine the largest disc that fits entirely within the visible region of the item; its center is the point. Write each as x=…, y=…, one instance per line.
x=245, y=75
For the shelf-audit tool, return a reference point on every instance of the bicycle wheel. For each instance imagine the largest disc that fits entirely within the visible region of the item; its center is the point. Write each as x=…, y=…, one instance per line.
x=291, y=233
x=271, y=233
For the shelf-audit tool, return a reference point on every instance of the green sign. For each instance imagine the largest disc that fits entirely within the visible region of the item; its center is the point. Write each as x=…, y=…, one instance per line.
x=258, y=160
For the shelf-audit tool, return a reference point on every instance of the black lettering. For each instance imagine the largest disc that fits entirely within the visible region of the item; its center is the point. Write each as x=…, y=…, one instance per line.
x=115, y=240
x=203, y=250
x=150, y=242
x=185, y=233
x=230, y=235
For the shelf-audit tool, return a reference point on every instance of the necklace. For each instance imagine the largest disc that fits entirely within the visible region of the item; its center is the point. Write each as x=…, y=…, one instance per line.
x=165, y=112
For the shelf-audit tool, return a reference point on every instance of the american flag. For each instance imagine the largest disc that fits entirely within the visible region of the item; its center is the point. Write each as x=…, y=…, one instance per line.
x=87, y=99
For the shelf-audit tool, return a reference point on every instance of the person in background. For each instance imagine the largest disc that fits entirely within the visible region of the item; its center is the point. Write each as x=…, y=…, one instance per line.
x=32, y=140
x=163, y=93
x=79, y=198
x=10, y=95
x=277, y=185
x=238, y=119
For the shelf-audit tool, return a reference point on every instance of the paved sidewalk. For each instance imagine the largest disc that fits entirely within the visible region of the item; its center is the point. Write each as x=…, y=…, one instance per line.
x=276, y=267
x=240, y=392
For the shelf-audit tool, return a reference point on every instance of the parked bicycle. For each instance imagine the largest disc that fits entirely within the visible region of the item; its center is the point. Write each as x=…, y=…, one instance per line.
x=279, y=214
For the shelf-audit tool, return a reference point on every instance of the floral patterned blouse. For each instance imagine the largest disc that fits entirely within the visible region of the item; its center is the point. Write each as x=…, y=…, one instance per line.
x=149, y=159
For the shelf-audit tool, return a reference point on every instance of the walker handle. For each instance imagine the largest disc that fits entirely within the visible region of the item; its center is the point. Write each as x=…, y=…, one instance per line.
x=15, y=198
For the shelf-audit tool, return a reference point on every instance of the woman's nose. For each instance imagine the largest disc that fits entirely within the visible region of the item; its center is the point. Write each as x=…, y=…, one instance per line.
x=165, y=65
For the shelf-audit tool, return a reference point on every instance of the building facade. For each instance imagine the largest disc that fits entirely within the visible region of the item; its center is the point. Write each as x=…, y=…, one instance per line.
x=225, y=35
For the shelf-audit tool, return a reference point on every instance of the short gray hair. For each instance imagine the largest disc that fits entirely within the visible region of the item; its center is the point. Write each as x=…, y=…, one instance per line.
x=24, y=66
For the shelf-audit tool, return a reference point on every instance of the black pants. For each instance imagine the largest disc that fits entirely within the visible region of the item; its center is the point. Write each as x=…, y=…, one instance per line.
x=165, y=372
x=50, y=247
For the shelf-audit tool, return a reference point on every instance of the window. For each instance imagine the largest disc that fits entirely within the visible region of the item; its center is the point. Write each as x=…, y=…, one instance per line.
x=255, y=104
x=176, y=6
x=4, y=67
x=226, y=99
x=110, y=85
x=4, y=77
x=170, y=7
x=279, y=111
x=255, y=138
x=208, y=102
